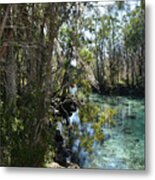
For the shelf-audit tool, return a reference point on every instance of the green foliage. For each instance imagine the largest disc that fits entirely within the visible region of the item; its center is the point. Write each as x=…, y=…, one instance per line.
x=134, y=29
x=41, y=71
x=84, y=85
x=17, y=125
x=91, y=113
x=106, y=117
x=86, y=55
x=86, y=141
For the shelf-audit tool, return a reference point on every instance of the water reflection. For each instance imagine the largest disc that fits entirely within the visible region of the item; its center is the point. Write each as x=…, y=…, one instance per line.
x=124, y=145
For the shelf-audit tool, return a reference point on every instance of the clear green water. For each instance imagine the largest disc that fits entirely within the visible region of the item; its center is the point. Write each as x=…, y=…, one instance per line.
x=125, y=147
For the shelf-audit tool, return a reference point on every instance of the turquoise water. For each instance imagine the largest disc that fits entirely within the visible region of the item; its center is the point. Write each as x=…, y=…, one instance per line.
x=125, y=147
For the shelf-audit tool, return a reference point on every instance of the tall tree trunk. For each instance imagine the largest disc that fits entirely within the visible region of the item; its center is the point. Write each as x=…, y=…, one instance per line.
x=10, y=85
